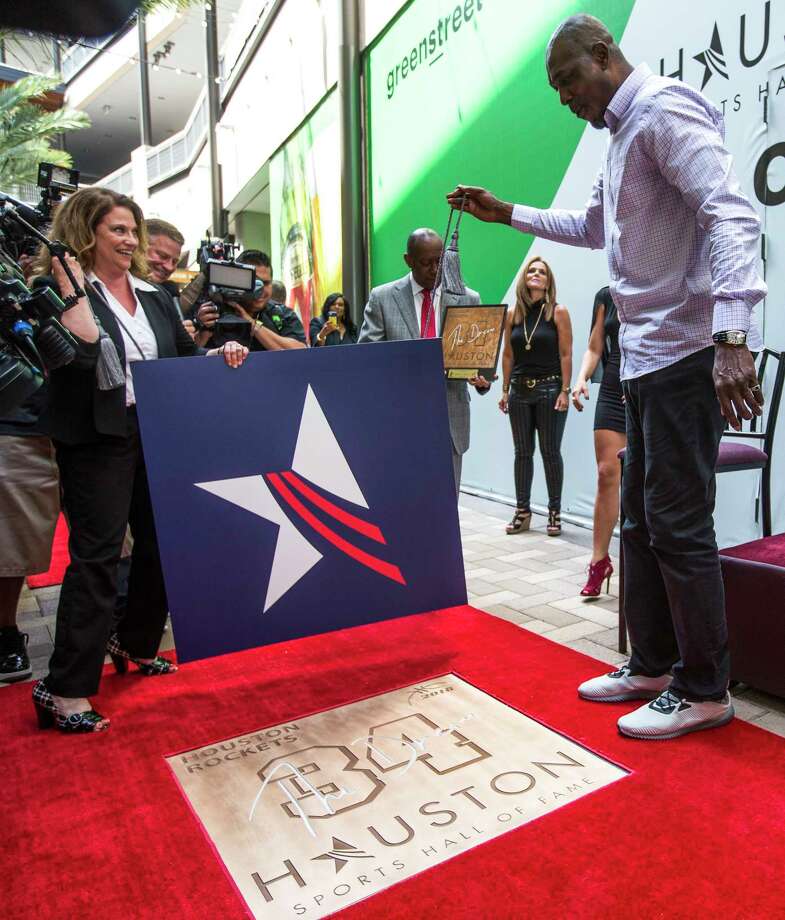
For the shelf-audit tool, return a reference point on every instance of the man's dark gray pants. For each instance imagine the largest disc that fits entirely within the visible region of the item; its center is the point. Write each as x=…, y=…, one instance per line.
x=674, y=597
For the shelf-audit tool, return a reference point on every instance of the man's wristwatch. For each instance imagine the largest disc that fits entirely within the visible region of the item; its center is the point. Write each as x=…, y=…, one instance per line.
x=731, y=337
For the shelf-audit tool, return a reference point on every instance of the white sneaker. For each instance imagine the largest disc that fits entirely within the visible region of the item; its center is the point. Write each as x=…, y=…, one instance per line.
x=671, y=715
x=621, y=685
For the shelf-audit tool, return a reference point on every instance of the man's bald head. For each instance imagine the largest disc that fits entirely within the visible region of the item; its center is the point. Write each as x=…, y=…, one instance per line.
x=585, y=66
x=580, y=33
x=420, y=236
x=423, y=251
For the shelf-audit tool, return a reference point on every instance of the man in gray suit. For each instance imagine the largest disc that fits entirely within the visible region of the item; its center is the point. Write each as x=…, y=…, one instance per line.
x=403, y=309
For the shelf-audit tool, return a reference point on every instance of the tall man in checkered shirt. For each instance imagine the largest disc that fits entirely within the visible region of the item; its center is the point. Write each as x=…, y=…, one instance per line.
x=681, y=241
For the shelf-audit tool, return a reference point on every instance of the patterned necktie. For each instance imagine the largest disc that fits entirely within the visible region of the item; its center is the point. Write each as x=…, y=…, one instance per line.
x=427, y=317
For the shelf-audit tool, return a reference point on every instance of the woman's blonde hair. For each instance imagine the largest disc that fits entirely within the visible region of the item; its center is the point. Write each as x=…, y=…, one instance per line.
x=75, y=223
x=523, y=300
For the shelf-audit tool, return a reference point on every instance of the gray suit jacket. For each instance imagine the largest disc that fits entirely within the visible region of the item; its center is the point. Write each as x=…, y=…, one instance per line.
x=390, y=316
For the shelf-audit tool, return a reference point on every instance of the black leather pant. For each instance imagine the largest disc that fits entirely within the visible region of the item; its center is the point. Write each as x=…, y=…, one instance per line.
x=532, y=412
x=674, y=599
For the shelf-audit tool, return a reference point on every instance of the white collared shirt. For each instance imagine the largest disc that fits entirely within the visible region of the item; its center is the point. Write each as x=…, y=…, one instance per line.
x=138, y=337
x=417, y=293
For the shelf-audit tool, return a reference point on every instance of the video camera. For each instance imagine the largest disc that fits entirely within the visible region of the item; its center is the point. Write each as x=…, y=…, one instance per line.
x=223, y=280
x=54, y=181
x=224, y=277
x=33, y=341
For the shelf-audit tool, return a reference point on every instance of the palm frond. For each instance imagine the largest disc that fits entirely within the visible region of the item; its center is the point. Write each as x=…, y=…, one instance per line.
x=31, y=87
x=27, y=130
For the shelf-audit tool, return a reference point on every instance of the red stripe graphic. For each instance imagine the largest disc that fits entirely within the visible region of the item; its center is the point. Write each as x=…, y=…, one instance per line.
x=348, y=520
x=377, y=565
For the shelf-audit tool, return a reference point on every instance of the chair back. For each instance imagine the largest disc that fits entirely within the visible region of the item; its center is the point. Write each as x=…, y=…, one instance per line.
x=763, y=428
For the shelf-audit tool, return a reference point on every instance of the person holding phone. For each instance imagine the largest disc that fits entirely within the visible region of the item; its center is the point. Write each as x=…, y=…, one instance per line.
x=334, y=326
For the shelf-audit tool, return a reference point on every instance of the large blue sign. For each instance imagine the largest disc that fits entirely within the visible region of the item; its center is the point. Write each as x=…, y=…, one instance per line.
x=304, y=492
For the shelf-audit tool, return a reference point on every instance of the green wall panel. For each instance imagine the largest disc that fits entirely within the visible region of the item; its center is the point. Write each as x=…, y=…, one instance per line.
x=477, y=109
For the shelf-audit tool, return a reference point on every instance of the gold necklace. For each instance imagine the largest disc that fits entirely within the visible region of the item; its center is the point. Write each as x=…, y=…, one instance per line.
x=526, y=331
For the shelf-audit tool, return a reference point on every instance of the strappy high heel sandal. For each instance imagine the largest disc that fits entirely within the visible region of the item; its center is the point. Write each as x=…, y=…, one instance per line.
x=554, y=524
x=599, y=572
x=520, y=521
x=120, y=659
x=77, y=723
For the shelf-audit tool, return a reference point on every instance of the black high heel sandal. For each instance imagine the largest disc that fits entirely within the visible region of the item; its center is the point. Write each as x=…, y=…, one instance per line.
x=120, y=659
x=520, y=521
x=554, y=524
x=77, y=723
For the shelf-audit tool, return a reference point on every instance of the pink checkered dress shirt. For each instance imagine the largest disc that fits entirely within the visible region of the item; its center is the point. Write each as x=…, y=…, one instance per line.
x=681, y=238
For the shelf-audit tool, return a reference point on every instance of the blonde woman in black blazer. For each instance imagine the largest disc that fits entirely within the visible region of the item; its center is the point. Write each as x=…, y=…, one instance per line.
x=92, y=421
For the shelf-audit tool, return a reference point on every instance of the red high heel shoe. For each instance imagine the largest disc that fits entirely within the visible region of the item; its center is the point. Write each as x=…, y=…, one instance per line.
x=598, y=572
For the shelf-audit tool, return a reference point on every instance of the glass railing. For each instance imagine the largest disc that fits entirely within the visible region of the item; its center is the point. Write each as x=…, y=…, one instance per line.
x=120, y=181
x=177, y=154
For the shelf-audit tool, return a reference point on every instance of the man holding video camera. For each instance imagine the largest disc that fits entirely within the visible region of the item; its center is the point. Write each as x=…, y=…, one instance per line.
x=271, y=326
x=29, y=479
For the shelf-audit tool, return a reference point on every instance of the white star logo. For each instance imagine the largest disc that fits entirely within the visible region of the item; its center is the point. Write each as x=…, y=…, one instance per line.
x=318, y=458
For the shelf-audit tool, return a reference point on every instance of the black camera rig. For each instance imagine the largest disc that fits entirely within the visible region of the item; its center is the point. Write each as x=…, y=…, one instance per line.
x=33, y=341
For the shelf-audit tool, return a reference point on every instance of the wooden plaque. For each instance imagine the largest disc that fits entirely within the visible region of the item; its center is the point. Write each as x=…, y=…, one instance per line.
x=472, y=339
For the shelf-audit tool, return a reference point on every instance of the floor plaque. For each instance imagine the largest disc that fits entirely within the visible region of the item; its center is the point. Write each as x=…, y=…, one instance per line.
x=321, y=812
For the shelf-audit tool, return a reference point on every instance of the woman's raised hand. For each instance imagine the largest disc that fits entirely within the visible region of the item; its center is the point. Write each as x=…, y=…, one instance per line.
x=62, y=280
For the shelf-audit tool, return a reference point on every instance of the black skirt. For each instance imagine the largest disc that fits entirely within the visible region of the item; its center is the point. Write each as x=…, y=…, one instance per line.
x=610, y=414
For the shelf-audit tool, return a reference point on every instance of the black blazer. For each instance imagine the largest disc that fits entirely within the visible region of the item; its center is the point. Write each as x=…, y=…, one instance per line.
x=78, y=412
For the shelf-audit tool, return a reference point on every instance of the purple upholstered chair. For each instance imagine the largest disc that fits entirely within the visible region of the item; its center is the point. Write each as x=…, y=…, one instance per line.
x=752, y=451
x=754, y=576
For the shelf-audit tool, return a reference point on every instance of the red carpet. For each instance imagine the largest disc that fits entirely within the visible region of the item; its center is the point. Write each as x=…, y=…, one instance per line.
x=95, y=827
x=60, y=559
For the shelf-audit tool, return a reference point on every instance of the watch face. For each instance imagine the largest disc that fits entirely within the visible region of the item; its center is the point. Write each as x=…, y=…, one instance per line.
x=731, y=338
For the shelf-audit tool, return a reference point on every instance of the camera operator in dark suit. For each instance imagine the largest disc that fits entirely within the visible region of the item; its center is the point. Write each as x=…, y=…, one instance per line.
x=93, y=422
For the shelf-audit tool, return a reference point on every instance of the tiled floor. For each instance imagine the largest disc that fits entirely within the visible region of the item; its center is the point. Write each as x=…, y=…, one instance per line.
x=529, y=579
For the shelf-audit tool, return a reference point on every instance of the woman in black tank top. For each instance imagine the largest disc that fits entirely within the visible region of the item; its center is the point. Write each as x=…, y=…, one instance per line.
x=537, y=366
x=609, y=432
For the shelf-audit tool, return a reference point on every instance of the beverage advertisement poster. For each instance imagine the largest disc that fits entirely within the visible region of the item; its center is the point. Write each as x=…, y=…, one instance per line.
x=306, y=207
